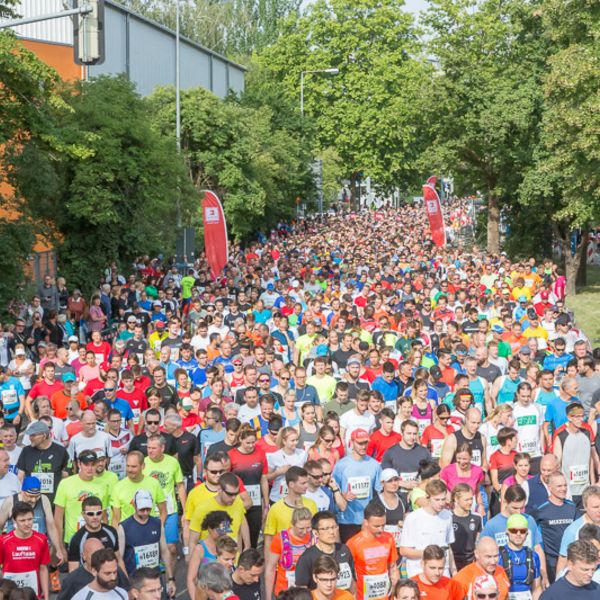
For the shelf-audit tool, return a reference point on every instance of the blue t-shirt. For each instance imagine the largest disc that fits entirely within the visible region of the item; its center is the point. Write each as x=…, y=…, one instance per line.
x=389, y=391
x=496, y=528
x=562, y=589
x=198, y=377
x=571, y=535
x=11, y=391
x=518, y=560
x=362, y=477
x=124, y=408
x=553, y=520
x=556, y=411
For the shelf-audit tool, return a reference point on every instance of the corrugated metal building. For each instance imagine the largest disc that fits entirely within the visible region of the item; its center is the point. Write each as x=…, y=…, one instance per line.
x=139, y=47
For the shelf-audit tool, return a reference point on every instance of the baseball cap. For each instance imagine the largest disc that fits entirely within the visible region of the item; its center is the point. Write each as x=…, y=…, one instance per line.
x=522, y=299
x=87, y=456
x=143, y=499
x=531, y=314
x=498, y=329
x=68, y=376
x=159, y=324
x=157, y=303
x=270, y=287
x=353, y=361
x=484, y=582
x=525, y=350
x=544, y=294
x=359, y=435
x=237, y=360
x=32, y=485
x=435, y=372
x=37, y=428
x=563, y=319
x=131, y=319
x=73, y=338
x=388, y=474
x=517, y=521
x=19, y=352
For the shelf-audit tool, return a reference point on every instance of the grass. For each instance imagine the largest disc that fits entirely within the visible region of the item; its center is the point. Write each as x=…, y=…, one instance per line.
x=586, y=306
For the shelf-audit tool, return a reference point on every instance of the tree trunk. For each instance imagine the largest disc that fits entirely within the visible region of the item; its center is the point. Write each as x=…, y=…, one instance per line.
x=573, y=261
x=493, y=224
x=582, y=270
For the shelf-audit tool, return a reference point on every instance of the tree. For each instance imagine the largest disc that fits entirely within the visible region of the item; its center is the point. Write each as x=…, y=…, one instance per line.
x=112, y=182
x=370, y=112
x=256, y=168
x=564, y=183
x=486, y=99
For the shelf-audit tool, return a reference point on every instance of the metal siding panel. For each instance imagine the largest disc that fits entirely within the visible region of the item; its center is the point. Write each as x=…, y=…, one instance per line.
x=236, y=79
x=152, y=57
x=195, y=67
x=59, y=31
x=220, y=77
x=115, y=27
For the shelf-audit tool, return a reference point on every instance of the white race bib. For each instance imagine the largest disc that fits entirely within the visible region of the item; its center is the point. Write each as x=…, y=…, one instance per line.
x=46, y=482
x=291, y=578
x=476, y=458
x=117, y=467
x=436, y=448
x=531, y=447
x=9, y=397
x=396, y=531
x=423, y=424
x=99, y=358
x=344, y=581
x=28, y=579
x=255, y=496
x=524, y=595
x=359, y=486
x=409, y=476
x=136, y=415
x=147, y=555
x=579, y=474
x=375, y=587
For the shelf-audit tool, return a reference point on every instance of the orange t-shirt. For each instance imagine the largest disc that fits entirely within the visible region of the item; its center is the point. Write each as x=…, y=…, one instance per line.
x=339, y=595
x=285, y=579
x=444, y=589
x=373, y=557
x=466, y=576
x=59, y=401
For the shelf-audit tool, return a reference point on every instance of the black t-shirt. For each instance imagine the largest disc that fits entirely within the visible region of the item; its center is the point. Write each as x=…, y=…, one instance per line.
x=222, y=446
x=136, y=346
x=186, y=447
x=53, y=461
x=168, y=395
x=489, y=373
x=342, y=557
x=140, y=442
x=466, y=530
x=246, y=592
x=340, y=357
x=107, y=535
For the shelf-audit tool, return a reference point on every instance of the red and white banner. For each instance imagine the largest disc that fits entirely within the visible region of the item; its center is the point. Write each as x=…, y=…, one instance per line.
x=215, y=233
x=434, y=212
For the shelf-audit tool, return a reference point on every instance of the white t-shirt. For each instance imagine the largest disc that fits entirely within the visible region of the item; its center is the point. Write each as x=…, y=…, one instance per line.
x=277, y=459
x=421, y=529
x=14, y=457
x=87, y=592
x=99, y=442
x=59, y=433
x=9, y=485
x=319, y=497
x=246, y=414
x=528, y=422
x=200, y=343
x=350, y=421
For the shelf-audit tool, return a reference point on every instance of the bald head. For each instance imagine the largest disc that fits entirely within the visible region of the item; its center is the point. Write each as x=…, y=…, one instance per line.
x=91, y=545
x=548, y=465
x=486, y=554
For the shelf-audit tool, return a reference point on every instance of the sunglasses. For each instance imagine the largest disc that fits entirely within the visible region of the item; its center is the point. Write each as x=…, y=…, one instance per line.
x=490, y=596
x=153, y=422
x=444, y=418
x=231, y=494
x=215, y=472
x=521, y=531
x=93, y=513
x=329, y=440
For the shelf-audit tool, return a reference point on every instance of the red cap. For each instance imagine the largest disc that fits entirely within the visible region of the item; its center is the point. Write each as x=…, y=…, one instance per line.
x=544, y=294
x=359, y=435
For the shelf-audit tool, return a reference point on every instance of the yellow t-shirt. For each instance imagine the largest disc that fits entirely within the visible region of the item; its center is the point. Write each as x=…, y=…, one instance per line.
x=236, y=511
x=279, y=516
x=195, y=498
x=536, y=332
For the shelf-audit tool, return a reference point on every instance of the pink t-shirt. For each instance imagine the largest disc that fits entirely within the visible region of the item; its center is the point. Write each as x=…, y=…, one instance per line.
x=451, y=478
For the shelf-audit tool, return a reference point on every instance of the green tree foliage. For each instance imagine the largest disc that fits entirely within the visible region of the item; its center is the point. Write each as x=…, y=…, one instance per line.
x=486, y=97
x=111, y=193
x=370, y=112
x=237, y=151
x=565, y=181
x=233, y=27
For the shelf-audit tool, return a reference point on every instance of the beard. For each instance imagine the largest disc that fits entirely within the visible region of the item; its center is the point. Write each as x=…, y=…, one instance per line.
x=107, y=584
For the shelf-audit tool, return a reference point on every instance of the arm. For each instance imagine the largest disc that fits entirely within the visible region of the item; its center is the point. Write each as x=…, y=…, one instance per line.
x=44, y=581
x=53, y=535
x=543, y=571
x=495, y=481
x=167, y=559
x=162, y=511
x=264, y=488
x=116, y=519
x=271, y=561
x=338, y=497
x=245, y=534
x=448, y=450
x=452, y=563
x=195, y=561
x=557, y=450
x=182, y=493
x=413, y=553
x=394, y=573
x=245, y=497
x=536, y=589
x=489, y=401
x=59, y=513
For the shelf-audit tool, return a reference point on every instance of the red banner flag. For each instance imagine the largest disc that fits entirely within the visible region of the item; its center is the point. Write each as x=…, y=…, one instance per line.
x=215, y=233
x=434, y=212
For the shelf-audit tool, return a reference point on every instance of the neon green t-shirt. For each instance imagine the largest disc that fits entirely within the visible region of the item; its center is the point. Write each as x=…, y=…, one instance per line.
x=187, y=283
x=71, y=492
x=167, y=472
x=123, y=493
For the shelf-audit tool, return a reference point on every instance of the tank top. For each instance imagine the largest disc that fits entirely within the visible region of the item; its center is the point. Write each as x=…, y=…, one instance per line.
x=142, y=543
x=508, y=389
x=208, y=557
x=475, y=444
x=39, y=517
x=423, y=417
x=306, y=439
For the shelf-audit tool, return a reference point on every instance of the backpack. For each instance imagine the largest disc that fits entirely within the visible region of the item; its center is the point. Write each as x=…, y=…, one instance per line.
x=508, y=567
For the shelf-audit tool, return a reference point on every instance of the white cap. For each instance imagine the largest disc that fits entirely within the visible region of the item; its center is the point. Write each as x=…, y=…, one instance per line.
x=388, y=474
x=143, y=499
x=73, y=338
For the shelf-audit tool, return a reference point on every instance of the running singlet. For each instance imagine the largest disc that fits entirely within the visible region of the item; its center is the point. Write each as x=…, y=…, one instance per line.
x=475, y=444
x=142, y=544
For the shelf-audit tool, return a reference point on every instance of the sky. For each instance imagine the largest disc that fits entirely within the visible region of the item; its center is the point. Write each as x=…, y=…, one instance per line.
x=413, y=6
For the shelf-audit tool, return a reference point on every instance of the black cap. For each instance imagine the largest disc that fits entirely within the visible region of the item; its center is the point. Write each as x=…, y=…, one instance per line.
x=87, y=456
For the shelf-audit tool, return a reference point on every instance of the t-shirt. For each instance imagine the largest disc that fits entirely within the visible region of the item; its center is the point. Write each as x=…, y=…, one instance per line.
x=9, y=485
x=286, y=577
x=571, y=534
x=406, y=462
x=466, y=576
x=236, y=512
x=21, y=558
x=124, y=491
x=168, y=473
x=87, y=593
x=563, y=588
x=518, y=564
x=466, y=531
x=279, y=516
x=496, y=528
x=246, y=591
x=99, y=443
x=553, y=520
x=556, y=412
x=107, y=535
x=47, y=465
x=342, y=556
x=444, y=589
x=71, y=492
x=451, y=478
x=373, y=556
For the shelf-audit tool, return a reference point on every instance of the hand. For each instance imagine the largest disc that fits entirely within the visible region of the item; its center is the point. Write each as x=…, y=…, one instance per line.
x=283, y=469
x=350, y=496
x=17, y=419
x=171, y=589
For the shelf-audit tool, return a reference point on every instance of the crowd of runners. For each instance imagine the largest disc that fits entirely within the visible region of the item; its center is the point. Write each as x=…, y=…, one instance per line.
x=347, y=412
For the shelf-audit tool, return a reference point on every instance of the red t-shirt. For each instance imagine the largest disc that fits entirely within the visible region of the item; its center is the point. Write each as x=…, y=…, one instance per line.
x=433, y=439
x=23, y=557
x=42, y=388
x=101, y=349
x=266, y=448
x=92, y=386
x=379, y=443
x=137, y=400
x=504, y=463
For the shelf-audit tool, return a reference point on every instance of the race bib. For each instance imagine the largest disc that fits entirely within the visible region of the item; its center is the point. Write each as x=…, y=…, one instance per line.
x=530, y=446
x=136, y=415
x=396, y=531
x=28, y=579
x=283, y=489
x=291, y=578
x=360, y=487
x=579, y=474
x=422, y=426
x=46, y=482
x=524, y=595
x=147, y=556
x=409, y=476
x=375, y=587
x=9, y=397
x=140, y=357
x=436, y=448
x=255, y=496
x=476, y=458
x=344, y=581
x=80, y=523
x=99, y=358
x=118, y=468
